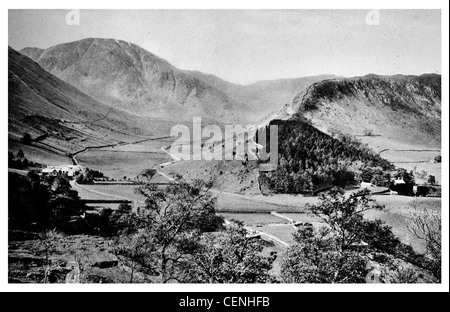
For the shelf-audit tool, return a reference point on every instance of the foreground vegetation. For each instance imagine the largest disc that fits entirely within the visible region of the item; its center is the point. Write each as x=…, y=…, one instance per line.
x=177, y=237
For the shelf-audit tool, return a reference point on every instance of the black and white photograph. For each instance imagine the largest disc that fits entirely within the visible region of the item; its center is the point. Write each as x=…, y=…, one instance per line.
x=226, y=146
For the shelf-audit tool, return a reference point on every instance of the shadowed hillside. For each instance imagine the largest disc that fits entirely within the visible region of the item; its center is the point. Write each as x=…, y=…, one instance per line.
x=44, y=106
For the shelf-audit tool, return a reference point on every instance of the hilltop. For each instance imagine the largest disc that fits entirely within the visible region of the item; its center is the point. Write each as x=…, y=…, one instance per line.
x=65, y=118
x=402, y=110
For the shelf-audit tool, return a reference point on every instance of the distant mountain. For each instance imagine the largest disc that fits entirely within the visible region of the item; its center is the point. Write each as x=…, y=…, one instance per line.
x=402, y=109
x=43, y=105
x=263, y=97
x=127, y=77
x=32, y=53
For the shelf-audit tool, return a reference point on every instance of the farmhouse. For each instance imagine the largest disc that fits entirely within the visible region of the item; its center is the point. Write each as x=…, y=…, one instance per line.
x=70, y=170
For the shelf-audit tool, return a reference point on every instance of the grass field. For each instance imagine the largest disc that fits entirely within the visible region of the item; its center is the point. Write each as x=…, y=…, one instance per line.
x=39, y=155
x=116, y=165
x=125, y=191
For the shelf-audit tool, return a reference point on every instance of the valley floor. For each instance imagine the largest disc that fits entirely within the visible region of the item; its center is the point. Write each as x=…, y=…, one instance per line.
x=238, y=197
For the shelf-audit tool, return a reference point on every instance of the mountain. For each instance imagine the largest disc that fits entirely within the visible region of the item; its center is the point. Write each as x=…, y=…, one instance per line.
x=32, y=53
x=405, y=111
x=261, y=98
x=127, y=77
x=44, y=106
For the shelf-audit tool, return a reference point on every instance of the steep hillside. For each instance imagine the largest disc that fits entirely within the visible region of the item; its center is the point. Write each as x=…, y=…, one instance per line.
x=64, y=117
x=404, y=111
x=127, y=77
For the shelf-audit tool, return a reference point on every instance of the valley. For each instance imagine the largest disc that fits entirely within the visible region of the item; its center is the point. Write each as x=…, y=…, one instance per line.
x=109, y=105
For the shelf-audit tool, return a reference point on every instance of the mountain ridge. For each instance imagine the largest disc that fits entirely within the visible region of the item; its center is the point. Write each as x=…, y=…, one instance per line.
x=139, y=82
x=405, y=108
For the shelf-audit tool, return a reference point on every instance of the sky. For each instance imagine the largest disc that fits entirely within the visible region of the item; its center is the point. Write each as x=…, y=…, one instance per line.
x=245, y=46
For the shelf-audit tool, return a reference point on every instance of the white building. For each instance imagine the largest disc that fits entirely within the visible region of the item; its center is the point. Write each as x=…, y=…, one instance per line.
x=366, y=184
x=70, y=170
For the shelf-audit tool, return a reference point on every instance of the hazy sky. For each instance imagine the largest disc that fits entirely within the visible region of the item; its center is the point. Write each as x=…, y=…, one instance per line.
x=246, y=46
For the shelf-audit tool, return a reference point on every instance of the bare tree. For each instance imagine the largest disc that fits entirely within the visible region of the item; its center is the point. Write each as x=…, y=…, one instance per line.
x=425, y=224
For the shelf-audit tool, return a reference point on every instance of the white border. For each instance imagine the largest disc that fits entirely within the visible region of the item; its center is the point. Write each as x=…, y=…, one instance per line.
x=229, y=4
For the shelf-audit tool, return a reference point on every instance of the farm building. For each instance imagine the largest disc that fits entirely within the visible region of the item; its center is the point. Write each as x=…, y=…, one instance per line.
x=409, y=189
x=70, y=170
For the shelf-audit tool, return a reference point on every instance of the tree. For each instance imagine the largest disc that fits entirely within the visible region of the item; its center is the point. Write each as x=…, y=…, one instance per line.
x=378, y=180
x=425, y=224
x=171, y=224
x=148, y=173
x=432, y=180
x=26, y=139
x=231, y=257
x=135, y=252
x=338, y=251
x=20, y=154
x=318, y=257
x=45, y=202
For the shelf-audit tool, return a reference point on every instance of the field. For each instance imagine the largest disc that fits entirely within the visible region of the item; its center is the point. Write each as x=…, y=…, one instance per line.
x=117, y=164
x=39, y=155
x=116, y=191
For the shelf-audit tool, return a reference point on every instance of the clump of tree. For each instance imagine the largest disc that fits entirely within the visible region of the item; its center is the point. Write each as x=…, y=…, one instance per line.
x=432, y=180
x=170, y=224
x=37, y=202
x=231, y=256
x=347, y=247
x=310, y=159
x=438, y=159
x=19, y=161
x=376, y=176
x=177, y=237
x=88, y=176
